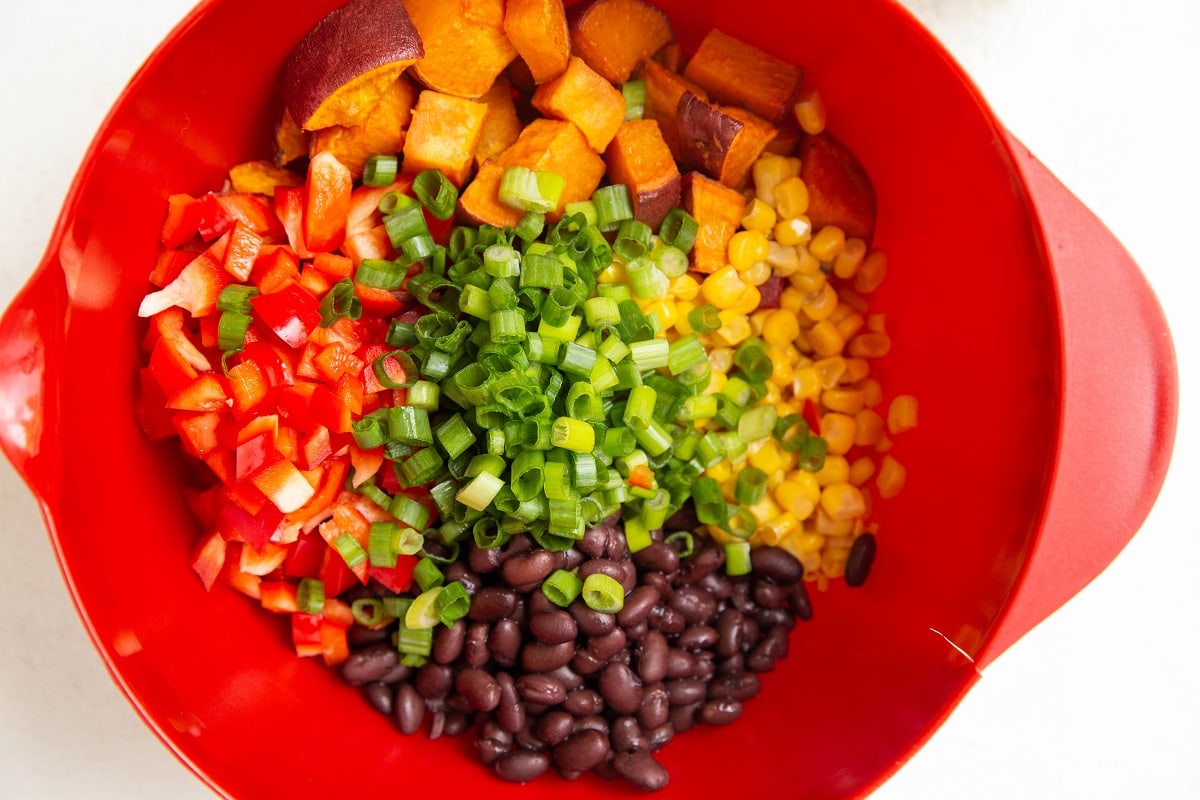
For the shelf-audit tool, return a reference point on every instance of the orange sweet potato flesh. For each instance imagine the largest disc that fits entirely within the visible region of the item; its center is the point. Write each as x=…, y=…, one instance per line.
x=664, y=89
x=381, y=131
x=584, y=97
x=639, y=158
x=840, y=191
x=545, y=144
x=466, y=47
x=538, y=30
x=443, y=135
x=340, y=69
x=718, y=211
x=736, y=73
x=291, y=143
x=615, y=37
x=261, y=177
x=723, y=142
x=502, y=126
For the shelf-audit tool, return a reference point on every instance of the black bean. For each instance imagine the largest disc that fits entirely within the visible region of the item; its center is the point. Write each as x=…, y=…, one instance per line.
x=641, y=770
x=660, y=582
x=680, y=663
x=659, y=557
x=637, y=606
x=706, y=666
x=540, y=657
x=683, y=718
x=437, y=724
x=697, y=637
x=458, y=571
x=770, y=617
x=605, y=647
x=699, y=564
x=379, y=696
x=716, y=584
x=541, y=688
x=504, y=642
x=616, y=547
x=729, y=632
x=510, y=712
x=590, y=621
x=801, y=605
x=358, y=636
x=626, y=735
x=653, y=655
x=489, y=751
x=555, y=726
x=585, y=663
x=448, y=642
x=602, y=566
x=777, y=564
x=372, y=663
x=581, y=751
x=483, y=560
x=720, y=712
x=410, y=709
x=862, y=555
x=656, y=706
x=570, y=679
x=518, y=544
x=594, y=542
x=583, y=702
x=522, y=766
x=737, y=686
x=592, y=722
x=742, y=598
x=686, y=691
x=479, y=688
x=657, y=737
x=491, y=730
x=732, y=665
x=554, y=627
x=456, y=722
x=527, y=738
x=538, y=603
x=637, y=631
x=433, y=681
x=492, y=603
x=774, y=646
x=621, y=688
x=768, y=594
x=666, y=619
x=475, y=649
x=683, y=520
x=528, y=568
x=750, y=632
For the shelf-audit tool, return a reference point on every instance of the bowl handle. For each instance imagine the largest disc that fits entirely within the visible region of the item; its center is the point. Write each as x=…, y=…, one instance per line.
x=1120, y=402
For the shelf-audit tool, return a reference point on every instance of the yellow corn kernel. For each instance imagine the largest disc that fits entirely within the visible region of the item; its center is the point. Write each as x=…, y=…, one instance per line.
x=902, y=414
x=868, y=428
x=884, y=444
x=775, y=530
x=820, y=304
x=807, y=383
x=872, y=272
x=842, y=501
x=835, y=470
x=746, y=248
x=877, y=322
x=793, y=231
x=807, y=282
x=809, y=111
x=717, y=535
x=870, y=345
x=838, y=431
x=791, y=198
x=716, y=382
x=848, y=262
x=765, y=509
x=782, y=371
x=720, y=359
x=845, y=401
x=789, y=352
x=857, y=369
x=780, y=327
x=850, y=324
x=835, y=529
x=828, y=243
x=825, y=339
x=796, y=498
x=748, y=301
x=721, y=471
x=614, y=273
x=872, y=391
x=861, y=470
x=791, y=299
x=759, y=216
x=758, y=273
x=833, y=561
x=757, y=319
x=723, y=287
x=769, y=456
x=682, y=324
x=809, y=542
x=891, y=478
x=665, y=310
x=734, y=330
x=831, y=370
x=784, y=260
x=769, y=171
x=771, y=394
x=853, y=299
x=685, y=287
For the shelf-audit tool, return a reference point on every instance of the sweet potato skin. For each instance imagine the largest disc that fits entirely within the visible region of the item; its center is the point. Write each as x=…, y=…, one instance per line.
x=615, y=37
x=840, y=191
x=466, y=48
x=584, y=97
x=718, y=211
x=639, y=158
x=382, y=131
x=664, y=89
x=538, y=30
x=721, y=142
x=444, y=133
x=736, y=73
x=321, y=86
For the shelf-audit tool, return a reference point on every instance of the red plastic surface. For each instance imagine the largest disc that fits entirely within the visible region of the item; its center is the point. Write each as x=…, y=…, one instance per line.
x=984, y=306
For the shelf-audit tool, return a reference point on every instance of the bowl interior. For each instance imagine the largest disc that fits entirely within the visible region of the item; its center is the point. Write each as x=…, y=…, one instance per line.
x=970, y=309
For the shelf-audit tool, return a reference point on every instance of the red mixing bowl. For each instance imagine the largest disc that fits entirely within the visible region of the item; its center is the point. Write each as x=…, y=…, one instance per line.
x=1008, y=302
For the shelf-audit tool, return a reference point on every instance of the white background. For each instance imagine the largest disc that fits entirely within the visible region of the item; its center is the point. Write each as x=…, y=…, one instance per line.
x=1101, y=701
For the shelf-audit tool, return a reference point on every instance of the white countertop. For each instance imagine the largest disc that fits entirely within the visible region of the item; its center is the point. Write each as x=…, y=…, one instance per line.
x=1085, y=706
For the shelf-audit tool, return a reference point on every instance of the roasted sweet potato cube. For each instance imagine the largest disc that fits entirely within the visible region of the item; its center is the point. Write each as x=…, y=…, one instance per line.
x=736, y=73
x=840, y=191
x=261, y=177
x=466, y=45
x=639, y=158
x=718, y=211
x=664, y=88
x=444, y=133
x=502, y=126
x=291, y=143
x=382, y=132
x=584, y=97
x=615, y=37
x=538, y=30
x=723, y=142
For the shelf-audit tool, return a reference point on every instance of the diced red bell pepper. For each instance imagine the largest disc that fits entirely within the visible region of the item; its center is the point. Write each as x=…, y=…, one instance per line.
x=366, y=463
x=812, y=415
x=336, y=360
x=350, y=391
x=198, y=431
x=242, y=251
x=151, y=407
x=235, y=575
x=195, y=288
x=208, y=557
x=373, y=243
x=328, y=409
x=247, y=388
x=168, y=266
x=397, y=578
x=214, y=220
x=284, y=485
x=221, y=463
x=327, y=202
x=306, y=367
x=333, y=265
x=183, y=216
x=306, y=634
x=335, y=647
x=275, y=269
x=334, y=573
x=252, y=210
x=295, y=406
x=289, y=207
x=364, y=203
x=278, y=596
x=263, y=561
x=291, y=313
x=315, y=448
x=254, y=454
x=641, y=476
x=377, y=302
x=275, y=367
x=265, y=423
x=247, y=496
x=171, y=371
x=315, y=282
x=287, y=443
x=305, y=556
x=237, y=524
x=205, y=393
x=329, y=486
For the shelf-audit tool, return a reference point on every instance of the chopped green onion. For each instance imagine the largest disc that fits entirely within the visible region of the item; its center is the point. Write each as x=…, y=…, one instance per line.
x=423, y=613
x=380, y=551
x=709, y=502
x=231, y=331
x=634, y=94
x=479, y=493
x=436, y=193
x=812, y=453
x=757, y=423
x=368, y=611
x=737, y=558
x=379, y=273
x=639, y=408
x=562, y=587
x=350, y=550
x=404, y=223
x=751, y=486
x=427, y=575
x=752, y=359
x=573, y=434
x=453, y=603
x=407, y=542
x=340, y=301
x=236, y=298
x=686, y=352
x=650, y=354
x=633, y=240
x=409, y=425
x=704, y=319
x=421, y=467
x=689, y=542
x=310, y=595
x=679, y=229
x=415, y=643
x=603, y=593
x=613, y=206
x=380, y=170
x=525, y=190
